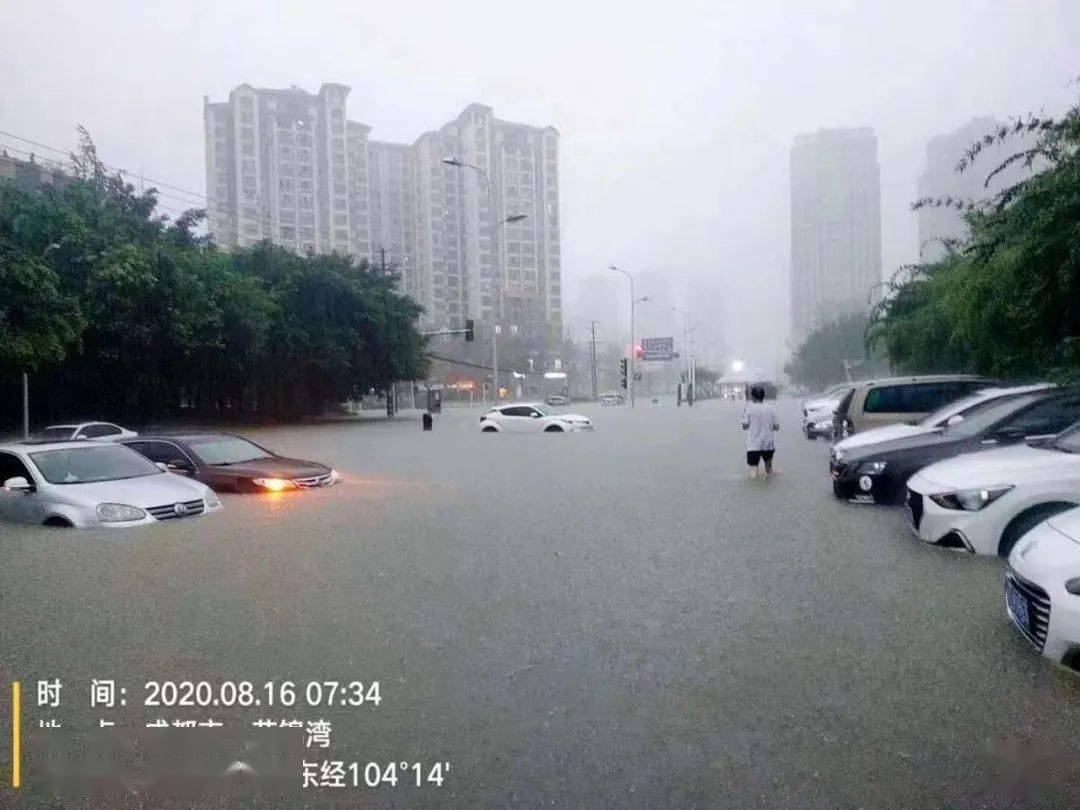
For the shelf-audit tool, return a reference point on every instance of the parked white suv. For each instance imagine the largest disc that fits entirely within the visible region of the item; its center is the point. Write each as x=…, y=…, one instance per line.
x=532, y=417
x=986, y=501
x=1042, y=588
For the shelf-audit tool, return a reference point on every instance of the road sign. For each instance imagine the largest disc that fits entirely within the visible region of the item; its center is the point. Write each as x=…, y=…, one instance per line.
x=657, y=348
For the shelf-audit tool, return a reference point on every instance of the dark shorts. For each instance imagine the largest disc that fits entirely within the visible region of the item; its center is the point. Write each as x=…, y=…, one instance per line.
x=754, y=456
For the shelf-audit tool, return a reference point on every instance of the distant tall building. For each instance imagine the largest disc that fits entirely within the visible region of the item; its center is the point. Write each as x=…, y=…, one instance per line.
x=288, y=166
x=941, y=179
x=835, y=226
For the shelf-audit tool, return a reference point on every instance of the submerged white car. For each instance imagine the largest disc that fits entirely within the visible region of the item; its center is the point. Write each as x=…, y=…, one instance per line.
x=1042, y=588
x=90, y=484
x=523, y=417
x=985, y=502
x=817, y=412
x=947, y=415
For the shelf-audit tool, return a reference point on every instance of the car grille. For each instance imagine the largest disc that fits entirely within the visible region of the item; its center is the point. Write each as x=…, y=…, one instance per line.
x=915, y=507
x=314, y=481
x=169, y=511
x=1039, y=605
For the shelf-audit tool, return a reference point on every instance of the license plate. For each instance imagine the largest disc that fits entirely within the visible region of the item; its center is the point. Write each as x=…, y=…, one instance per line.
x=1018, y=607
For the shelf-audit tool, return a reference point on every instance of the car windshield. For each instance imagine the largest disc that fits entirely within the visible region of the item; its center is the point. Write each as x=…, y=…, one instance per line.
x=57, y=432
x=966, y=406
x=1068, y=441
x=87, y=465
x=979, y=419
x=227, y=450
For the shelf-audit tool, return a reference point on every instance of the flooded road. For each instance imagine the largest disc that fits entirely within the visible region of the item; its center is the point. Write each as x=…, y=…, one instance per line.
x=616, y=619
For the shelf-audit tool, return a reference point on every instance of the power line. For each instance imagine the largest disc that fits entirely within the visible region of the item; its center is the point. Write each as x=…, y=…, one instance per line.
x=203, y=201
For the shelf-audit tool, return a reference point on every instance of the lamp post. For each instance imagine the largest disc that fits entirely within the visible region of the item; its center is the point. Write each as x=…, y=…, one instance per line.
x=496, y=252
x=633, y=353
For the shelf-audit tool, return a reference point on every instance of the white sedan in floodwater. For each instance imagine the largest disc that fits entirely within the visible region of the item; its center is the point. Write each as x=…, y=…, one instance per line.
x=985, y=502
x=1042, y=588
x=532, y=417
x=90, y=484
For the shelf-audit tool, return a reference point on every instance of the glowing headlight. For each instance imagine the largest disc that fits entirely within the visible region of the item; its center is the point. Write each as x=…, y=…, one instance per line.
x=274, y=484
x=335, y=476
x=872, y=467
x=211, y=499
x=118, y=513
x=969, y=500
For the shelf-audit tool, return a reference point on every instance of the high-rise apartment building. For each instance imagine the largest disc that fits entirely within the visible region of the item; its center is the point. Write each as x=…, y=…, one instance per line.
x=288, y=166
x=835, y=226
x=938, y=225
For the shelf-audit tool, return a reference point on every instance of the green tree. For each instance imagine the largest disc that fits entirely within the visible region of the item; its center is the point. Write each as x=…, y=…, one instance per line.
x=832, y=352
x=125, y=313
x=1007, y=302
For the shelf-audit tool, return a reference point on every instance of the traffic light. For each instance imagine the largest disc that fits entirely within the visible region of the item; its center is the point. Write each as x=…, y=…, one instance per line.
x=469, y=331
x=622, y=372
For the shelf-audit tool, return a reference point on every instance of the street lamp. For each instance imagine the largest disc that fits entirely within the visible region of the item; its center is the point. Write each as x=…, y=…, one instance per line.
x=496, y=251
x=633, y=373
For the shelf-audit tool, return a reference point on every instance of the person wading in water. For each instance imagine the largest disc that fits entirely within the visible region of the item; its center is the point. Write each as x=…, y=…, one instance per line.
x=760, y=422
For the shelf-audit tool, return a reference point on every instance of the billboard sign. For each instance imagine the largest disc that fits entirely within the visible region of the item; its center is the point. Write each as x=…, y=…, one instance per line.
x=657, y=348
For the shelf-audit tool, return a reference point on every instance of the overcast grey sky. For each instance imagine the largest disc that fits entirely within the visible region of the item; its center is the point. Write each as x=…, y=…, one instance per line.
x=676, y=118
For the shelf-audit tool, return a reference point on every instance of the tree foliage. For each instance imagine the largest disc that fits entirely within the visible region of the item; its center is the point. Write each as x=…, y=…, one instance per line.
x=123, y=313
x=831, y=353
x=1007, y=302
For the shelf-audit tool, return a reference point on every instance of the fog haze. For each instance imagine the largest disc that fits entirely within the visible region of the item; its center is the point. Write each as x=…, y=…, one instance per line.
x=676, y=120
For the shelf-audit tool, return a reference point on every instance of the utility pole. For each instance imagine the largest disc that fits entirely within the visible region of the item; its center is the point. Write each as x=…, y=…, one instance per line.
x=382, y=254
x=593, y=328
x=26, y=405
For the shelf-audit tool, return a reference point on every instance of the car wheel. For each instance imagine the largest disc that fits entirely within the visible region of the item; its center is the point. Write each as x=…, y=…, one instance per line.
x=489, y=429
x=553, y=429
x=811, y=435
x=1025, y=522
x=58, y=522
x=836, y=489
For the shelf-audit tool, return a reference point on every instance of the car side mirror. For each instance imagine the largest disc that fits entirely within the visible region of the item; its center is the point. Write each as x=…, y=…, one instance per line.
x=955, y=419
x=178, y=465
x=161, y=465
x=535, y=415
x=18, y=484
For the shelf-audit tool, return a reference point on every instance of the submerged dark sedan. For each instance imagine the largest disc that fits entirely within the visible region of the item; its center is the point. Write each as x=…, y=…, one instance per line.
x=878, y=473
x=232, y=464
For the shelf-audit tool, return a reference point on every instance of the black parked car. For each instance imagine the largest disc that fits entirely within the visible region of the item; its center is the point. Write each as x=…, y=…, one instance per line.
x=228, y=463
x=878, y=473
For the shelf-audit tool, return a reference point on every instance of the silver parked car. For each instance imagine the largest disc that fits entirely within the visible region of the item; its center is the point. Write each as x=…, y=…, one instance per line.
x=87, y=484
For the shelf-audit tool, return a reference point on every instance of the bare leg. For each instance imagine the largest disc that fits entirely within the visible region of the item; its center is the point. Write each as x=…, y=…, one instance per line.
x=768, y=468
